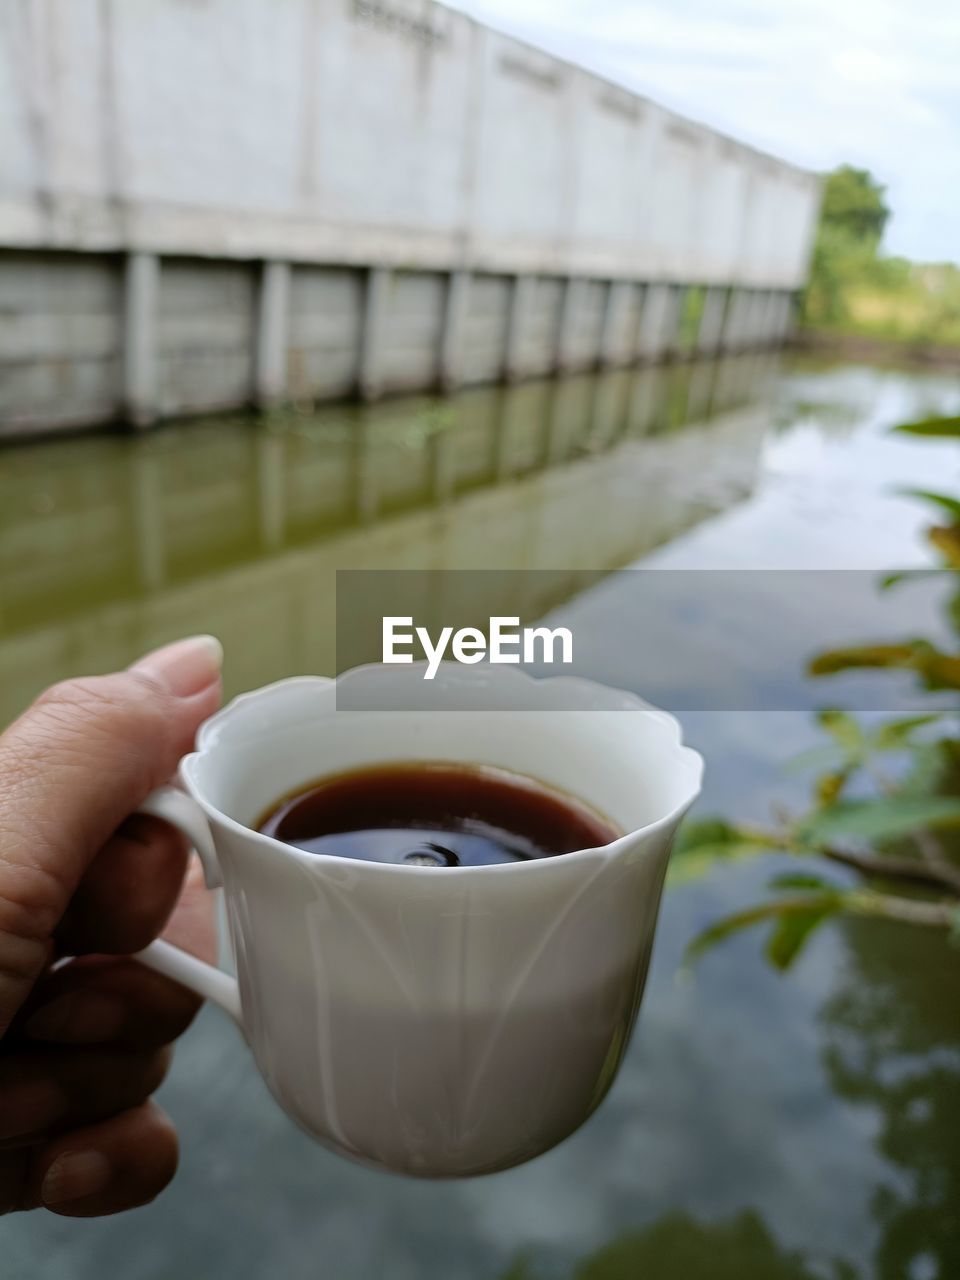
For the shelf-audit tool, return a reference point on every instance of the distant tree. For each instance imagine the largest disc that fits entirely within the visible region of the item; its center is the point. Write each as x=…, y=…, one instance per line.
x=853, y=215
x=854, y=204
x=678, y=1247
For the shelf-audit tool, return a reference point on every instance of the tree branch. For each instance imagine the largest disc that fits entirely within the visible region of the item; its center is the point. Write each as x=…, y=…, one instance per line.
x=920, y=871
x=937, y=915
x=926, y=843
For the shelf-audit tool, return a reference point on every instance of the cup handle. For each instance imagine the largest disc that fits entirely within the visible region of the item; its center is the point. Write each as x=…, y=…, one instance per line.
x=205, y=980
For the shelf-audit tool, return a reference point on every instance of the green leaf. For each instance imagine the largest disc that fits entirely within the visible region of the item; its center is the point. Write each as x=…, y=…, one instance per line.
x=705, y=831
x=728, y=926
x=823, y=757
x=934, y=768
x=937, y=427
x=723, y=929
x=907, y=575
x=946, y=539
x=792, y=932
x=862, y=656
x=694, y=864
x=803, y=880
x=955, y=928
x=896, y=734
x=943, y=500
x=829, y=788
x=844, y=730
x=937, y=670
x=884, y=818
x=701, y=845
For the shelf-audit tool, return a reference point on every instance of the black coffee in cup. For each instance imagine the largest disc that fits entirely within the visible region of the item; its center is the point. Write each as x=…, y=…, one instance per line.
x=434, y=815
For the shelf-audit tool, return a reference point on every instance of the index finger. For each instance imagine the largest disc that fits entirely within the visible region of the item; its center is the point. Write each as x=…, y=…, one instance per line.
x=77, y=763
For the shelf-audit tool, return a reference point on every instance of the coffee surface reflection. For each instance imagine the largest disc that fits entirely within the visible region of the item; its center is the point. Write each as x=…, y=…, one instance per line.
x=435, y=815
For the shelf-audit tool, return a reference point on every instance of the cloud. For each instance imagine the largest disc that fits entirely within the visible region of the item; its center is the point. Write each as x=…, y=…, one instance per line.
x=819, y=82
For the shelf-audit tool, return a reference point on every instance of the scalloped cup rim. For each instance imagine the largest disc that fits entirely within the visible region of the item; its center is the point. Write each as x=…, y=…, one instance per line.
x=617, y=699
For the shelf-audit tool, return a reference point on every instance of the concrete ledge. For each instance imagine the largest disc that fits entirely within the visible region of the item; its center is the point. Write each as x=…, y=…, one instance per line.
x=88, y=338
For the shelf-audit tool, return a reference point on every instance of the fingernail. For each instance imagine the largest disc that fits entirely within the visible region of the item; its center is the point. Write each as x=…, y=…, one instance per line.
x=30, y=1108
x=74, y=1175
x=186, y=667
x=78, y=1018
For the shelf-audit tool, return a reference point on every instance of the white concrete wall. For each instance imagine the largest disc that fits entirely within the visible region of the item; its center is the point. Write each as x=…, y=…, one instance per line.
x=367, y=131
x=61, y=336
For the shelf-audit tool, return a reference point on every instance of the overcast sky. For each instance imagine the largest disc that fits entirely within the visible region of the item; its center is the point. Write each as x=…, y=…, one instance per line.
x=874, y=82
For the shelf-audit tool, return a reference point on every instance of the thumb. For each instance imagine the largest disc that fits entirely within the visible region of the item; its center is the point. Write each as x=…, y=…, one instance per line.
x=72, y=768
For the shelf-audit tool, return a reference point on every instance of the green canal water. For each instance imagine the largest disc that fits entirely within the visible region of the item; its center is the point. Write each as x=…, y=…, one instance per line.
x=763, y=1127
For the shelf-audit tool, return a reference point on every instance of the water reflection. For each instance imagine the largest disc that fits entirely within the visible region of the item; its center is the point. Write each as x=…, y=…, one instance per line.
x=111, y=545
x=678, y=1246
x=893, y=1049
x=761, y=1127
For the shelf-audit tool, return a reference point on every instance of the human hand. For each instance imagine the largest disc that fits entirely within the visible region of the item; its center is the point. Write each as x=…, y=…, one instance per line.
x=83, y=1045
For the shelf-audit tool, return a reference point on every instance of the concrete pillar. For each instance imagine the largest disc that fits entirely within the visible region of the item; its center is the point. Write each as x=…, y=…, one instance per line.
x=370, y=378
x=569, y=322
x=273, y=316
x=780, y=315
x=670, y=322
x=734, y=329
x=755, y=314
x=670, y=328
x=677, y=342
x=758, y=319
x=614, y=318
x=775, y=318
x=140, y=347
x=770, y=319
x=745, y=319
x=657, y=306
x=711, y=321
x=747, y=302
x=762, y=336
x=791, y=306
x=450, y=371
x=521, y=303
x=729, y=319
x=672, y=336
x=634, y=354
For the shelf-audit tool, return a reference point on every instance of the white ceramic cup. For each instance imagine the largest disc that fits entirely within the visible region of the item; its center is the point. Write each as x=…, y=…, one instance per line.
x=436, y=1022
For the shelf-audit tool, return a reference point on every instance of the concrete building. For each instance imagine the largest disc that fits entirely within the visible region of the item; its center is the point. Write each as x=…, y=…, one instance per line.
x=234, y=202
